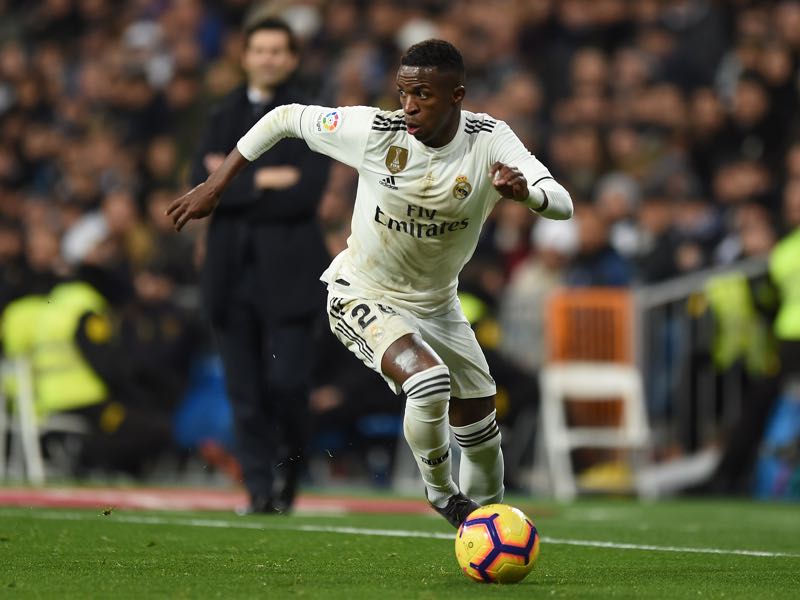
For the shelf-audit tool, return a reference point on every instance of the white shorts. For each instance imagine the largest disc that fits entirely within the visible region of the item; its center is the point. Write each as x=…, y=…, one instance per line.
x=367, y=328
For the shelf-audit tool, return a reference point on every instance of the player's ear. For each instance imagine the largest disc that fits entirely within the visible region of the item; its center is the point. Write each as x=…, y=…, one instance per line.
x=458, y=94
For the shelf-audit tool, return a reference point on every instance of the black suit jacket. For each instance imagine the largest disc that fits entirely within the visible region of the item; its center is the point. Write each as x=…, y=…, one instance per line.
x=274, y=232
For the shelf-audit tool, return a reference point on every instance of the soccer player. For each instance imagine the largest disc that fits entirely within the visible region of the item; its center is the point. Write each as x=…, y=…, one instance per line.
x=429, y=175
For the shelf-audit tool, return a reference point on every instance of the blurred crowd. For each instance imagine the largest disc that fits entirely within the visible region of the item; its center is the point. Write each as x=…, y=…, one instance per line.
x=673, y=123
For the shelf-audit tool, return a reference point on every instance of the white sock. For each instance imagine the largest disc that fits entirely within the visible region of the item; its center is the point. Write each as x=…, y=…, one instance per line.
x=481, y=473
x=425, y=427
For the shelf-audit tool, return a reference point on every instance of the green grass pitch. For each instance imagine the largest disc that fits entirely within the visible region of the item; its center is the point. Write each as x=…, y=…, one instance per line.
x=590, y=549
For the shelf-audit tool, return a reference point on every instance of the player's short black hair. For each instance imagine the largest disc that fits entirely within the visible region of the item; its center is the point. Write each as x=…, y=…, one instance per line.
x=271, y=24
x=435, y=53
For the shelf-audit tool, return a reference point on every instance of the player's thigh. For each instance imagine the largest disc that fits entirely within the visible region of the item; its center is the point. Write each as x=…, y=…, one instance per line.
x=367, y=328
x=452, y=338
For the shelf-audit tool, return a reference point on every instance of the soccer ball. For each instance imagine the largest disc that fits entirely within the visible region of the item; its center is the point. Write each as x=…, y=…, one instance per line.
x=497, y=544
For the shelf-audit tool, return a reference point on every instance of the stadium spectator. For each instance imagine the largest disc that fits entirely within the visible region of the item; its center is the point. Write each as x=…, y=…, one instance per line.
x=596, y=262
x=617, y=199
x=143, y=357
x=520, y=306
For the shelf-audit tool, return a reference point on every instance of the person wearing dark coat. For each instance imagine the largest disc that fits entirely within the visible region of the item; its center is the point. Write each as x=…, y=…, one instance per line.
x=260, y=280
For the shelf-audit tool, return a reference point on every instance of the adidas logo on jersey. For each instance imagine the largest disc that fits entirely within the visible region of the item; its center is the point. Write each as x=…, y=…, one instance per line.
x=389, y=182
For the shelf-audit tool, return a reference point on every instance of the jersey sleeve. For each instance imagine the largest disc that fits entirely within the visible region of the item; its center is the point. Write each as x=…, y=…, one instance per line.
x=508, y=149
x=279, y=123
x=547, y=196
x=341, y=133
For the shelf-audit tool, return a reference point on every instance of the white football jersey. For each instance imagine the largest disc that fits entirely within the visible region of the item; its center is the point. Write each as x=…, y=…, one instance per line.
x=418, y=210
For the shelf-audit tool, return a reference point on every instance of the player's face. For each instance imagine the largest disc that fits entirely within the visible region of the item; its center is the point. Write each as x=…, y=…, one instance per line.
x=431, y=102
x=268, y=60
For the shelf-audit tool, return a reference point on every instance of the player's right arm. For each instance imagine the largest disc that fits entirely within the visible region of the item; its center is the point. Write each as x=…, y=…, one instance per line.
x=340, y=133
x=202, y=199
x=518, y=175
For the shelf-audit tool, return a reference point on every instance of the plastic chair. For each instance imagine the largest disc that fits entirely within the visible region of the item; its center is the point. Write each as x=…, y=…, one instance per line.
x=20, y=425
x=23, y=421
x=589, y=376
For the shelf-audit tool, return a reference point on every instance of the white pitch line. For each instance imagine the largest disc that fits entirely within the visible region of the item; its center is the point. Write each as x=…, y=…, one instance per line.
x=650, y=547
x=265, y=526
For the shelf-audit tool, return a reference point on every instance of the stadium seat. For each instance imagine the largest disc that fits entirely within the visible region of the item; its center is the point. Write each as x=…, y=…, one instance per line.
x=20, y=429
x=591, y=392
x=21, y=422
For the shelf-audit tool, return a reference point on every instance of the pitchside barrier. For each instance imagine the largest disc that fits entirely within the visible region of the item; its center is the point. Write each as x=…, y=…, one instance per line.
x=674, y=352
x=693, y=400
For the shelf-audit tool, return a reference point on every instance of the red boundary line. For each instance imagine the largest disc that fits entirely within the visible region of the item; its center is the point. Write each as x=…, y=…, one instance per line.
x=194, y=499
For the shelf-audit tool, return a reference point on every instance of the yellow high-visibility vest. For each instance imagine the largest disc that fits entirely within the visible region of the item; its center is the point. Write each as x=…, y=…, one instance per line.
x=18, y=324
x=740, y=332
x=784, y=269
x=17, y=329
x=63, y=379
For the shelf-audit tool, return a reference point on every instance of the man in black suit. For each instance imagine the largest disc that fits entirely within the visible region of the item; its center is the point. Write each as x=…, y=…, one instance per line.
x=260, y=282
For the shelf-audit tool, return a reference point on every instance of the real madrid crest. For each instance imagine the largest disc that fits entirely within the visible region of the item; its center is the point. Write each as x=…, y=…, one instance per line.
x=462, y=188
x=396, y=159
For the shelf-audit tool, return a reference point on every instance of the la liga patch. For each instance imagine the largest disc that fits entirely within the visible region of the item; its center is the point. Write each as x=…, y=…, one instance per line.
x=328, y=122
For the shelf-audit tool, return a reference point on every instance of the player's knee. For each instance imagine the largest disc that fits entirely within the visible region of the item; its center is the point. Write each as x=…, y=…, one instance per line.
x=465, y=411
x=427, y=395
x=429, y=386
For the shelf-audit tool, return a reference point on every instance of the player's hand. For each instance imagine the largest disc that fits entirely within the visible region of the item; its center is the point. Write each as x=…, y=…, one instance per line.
x=509, y=182
x=199, y=202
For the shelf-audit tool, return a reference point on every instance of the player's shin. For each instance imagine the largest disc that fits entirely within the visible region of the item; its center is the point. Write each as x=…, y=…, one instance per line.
x=426, y=430
x=481, y=470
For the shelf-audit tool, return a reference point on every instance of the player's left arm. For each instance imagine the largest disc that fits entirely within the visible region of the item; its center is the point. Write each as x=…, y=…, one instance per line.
x=518, y=175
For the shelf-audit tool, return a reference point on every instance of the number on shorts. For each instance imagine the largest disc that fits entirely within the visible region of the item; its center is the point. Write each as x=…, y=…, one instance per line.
x=362, y=311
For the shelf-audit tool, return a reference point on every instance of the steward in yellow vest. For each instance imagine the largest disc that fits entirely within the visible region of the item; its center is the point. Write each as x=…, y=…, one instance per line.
x=741, y=331
x=42, y=329
x=63, y=378
x=742, y=336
